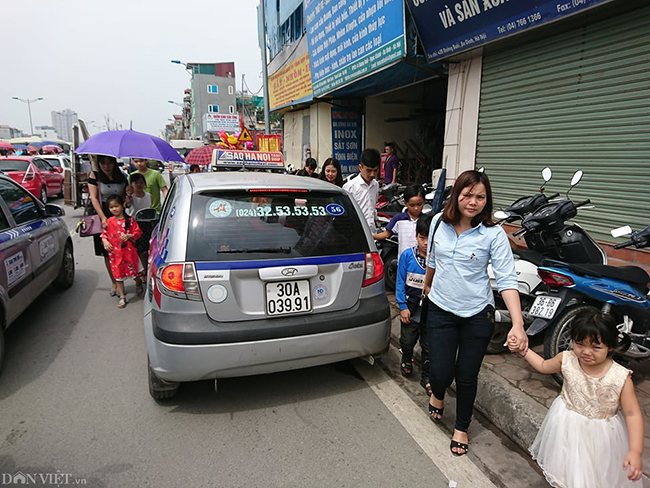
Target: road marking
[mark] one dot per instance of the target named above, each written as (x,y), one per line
(433,441)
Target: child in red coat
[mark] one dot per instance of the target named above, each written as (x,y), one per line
(119,238)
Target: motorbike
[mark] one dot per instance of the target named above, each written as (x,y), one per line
(622,291)
(547,236)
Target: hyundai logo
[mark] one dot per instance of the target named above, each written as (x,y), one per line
(289,272)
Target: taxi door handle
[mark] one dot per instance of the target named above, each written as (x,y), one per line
(30,237)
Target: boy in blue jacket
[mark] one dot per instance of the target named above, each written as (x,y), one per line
(408,295)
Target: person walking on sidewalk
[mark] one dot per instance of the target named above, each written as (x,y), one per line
(412,308)
(154,180)
(585,440)
(364,187)
(460,319)
(391,166)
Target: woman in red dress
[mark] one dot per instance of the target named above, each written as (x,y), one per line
(119,238)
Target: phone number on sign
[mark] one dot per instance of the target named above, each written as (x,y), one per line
(281,211)
(522,22)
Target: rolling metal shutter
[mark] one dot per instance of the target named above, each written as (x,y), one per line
(579,99)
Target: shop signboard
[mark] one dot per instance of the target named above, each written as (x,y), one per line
(350,39)
(447,28)
(268,142)
(346,139)
(291,84)
(219,122)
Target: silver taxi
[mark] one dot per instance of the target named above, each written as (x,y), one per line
(35,251)
(253,273)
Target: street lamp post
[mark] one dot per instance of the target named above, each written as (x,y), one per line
(29,108)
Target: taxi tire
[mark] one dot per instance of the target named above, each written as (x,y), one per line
(390,270)
(65,278)
(159,389)
(2,345)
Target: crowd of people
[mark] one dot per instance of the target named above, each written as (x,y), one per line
(446,303)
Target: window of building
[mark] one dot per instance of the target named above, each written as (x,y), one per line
(213,88)
(231,90)
(292,29)
(213,109)
(231,109)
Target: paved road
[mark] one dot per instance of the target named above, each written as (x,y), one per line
(75,406)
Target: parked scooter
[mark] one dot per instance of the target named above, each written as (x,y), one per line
(622,291)
(547,236)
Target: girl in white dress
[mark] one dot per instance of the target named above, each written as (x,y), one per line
(585,441)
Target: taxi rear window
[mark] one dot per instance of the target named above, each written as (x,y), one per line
(13,165)
(236,226)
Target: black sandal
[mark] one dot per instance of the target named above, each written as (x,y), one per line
(458,445)
(406,368)
(435,411)
(427,387)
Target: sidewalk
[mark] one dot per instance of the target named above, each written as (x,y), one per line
(515,398)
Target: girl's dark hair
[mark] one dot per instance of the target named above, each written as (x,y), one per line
(423,224)
(599,328)
(117,175)
(120,200)
(451,214)
(311,163)
(413,191)
(332,162)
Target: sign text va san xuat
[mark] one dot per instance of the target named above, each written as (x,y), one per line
(447,28)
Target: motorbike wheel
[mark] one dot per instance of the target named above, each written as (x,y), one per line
(498,339)
(390,270)
(558,339)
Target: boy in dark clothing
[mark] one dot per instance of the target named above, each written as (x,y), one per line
(408,295)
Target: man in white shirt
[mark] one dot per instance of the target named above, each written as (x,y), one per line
(364,188)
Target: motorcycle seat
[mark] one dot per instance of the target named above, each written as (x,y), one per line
(528,255)
(635,276)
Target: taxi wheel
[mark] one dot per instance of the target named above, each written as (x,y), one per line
(43,195)
(2,346)
(65,278)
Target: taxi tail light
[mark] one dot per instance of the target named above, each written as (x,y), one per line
(178,280)
(374,269)
(552,278)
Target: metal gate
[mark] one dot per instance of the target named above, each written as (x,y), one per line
(579,99)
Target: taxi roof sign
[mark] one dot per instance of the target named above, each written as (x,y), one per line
(235,158)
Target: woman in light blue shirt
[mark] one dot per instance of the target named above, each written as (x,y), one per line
(460,322)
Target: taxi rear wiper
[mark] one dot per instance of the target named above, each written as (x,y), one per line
(280,249)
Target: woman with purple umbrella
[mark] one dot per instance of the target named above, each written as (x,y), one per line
(106,182)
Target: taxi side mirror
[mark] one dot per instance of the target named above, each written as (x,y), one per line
(52,210)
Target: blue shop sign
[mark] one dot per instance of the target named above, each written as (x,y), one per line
(447,28)
(349,39)
(346,139)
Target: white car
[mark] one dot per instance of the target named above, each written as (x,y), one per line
(61,162)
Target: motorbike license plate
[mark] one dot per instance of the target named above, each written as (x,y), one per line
(288,297)
(545,306)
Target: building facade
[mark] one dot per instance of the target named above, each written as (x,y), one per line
(63,121)
(213,91)
(46,132)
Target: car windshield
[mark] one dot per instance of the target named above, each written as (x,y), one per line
(13,165)
(243,225)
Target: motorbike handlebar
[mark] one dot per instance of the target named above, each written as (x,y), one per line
(554,195)
(519,232)
(584,202)
(624,244)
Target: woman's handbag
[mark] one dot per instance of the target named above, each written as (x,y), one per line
(90,225)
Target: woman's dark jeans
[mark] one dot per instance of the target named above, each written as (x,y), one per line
(469,337)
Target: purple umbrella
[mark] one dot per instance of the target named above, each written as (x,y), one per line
(129,144)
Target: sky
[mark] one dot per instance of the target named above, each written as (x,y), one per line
(113,58)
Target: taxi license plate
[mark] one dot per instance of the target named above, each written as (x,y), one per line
(545,306)
(288,297)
